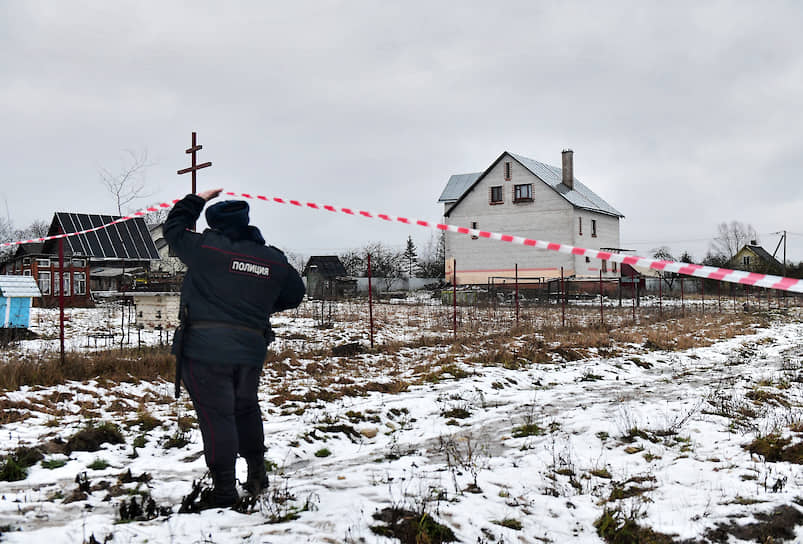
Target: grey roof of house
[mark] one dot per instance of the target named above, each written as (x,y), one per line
(129,240)
(580,196)
(764,254)
(30,248)
(329,266)
(457,185)
(19,286)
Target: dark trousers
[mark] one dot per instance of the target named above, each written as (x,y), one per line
(225,400)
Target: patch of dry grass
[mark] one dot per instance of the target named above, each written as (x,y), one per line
(114,365)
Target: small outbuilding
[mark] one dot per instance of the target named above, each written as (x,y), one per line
(16,298)
(327,278)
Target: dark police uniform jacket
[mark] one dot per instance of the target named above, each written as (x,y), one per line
(230,290)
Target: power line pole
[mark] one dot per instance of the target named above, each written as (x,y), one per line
(782,240)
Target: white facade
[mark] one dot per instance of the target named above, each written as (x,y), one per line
(548,216)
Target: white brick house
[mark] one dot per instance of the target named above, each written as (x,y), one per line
(520,196)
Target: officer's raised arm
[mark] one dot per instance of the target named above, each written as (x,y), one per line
(181,218)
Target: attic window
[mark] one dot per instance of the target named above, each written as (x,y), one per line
(593,228)
(746,260)
(523,192)
(580,225)
(507,171)
(496,195)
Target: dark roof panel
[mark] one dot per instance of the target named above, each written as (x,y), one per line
(126,240)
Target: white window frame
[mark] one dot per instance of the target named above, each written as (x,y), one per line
(78,263)
(529,191)
(44,282)
(79,283)
(43,262)
(57,284)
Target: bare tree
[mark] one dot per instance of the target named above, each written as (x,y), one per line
(354,262)
(127,183)
(296,260)
(158,217)
(37,229)
(433,258)
(731,237)
(6,235)
(386,263)
(663,253)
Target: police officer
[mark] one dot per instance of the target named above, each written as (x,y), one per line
(234,282)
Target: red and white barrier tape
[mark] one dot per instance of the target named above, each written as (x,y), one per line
(708,272)
(722,274)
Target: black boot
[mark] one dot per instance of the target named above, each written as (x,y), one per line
(224,493)
(257,480)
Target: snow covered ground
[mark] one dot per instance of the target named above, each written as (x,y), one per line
(499,437)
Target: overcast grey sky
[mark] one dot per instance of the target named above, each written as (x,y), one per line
(681,115)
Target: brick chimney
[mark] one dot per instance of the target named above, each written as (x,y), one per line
(568,168)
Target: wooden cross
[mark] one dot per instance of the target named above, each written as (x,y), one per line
(195,166)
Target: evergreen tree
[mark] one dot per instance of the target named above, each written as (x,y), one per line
(410,256)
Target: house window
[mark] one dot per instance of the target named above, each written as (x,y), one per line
(588,259)
(43,263)
(26,261)
(79,279)
(593,228)
(613,267)
(580,225)
(44,282)
(604,265)
(26,272)
(57,284)
(523,192)
(158,314)
(496,194)
(475,227)
(78,263)
(507,171)
(746,260)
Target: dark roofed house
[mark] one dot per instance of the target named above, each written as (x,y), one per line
(754,258)
(93,261)
(327,278)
